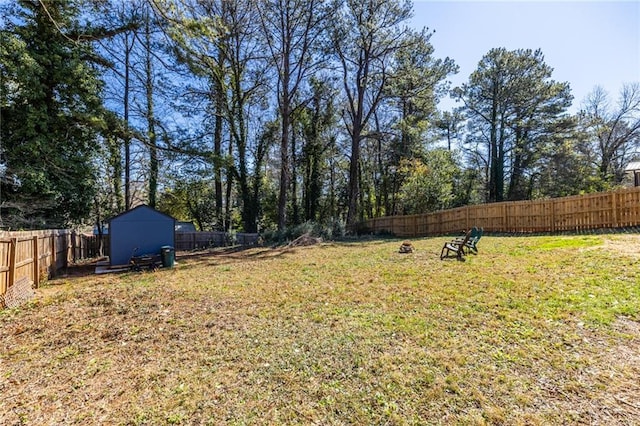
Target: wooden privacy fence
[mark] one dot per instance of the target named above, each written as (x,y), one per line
(196,240)
(614,209)
(35,255)
(88,246)
(31,256)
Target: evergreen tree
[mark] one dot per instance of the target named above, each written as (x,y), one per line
(514,109)
(51,110)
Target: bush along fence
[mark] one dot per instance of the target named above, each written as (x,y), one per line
(616,209)
(28,258)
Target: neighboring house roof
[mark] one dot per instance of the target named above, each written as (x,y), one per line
(185,227)
(105,230)
(633,166)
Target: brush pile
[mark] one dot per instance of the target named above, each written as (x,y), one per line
(305,240)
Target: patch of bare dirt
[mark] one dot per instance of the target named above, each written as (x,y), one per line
(611,372)
(625,357)
(627,245)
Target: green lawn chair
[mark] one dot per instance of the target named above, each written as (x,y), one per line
(460,239)
(456,247)
(472,244)
(473,231)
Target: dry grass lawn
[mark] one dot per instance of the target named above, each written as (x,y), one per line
(534,330)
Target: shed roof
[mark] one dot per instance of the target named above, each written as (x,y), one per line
(185,227)
(633,166)
(143,206)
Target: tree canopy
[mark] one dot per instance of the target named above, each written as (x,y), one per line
(256,115)
(51,115)
(514,108)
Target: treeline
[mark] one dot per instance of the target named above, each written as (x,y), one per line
(254,115)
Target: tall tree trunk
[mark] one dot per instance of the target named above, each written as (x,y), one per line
(295,210)
(217,145)
(284,147)
(127,136)
(98,223)
(354,183)
(378,182)
(314,184)
(356,139)
(501,159)
(151,132)
(493,147)
(332,190)
(228,193)
(247,212)
(115,160)
(306,182)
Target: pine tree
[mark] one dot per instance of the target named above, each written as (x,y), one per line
(51,110)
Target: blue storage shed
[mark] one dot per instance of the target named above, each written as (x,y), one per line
(141,230)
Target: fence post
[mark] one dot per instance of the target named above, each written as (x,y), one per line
(505,218)
(67,245)
(12,261)
(74,246)
(54,261)
(467,225)
(68,248)
(614,208)
(36,262)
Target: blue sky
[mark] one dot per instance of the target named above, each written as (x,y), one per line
(588,43)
